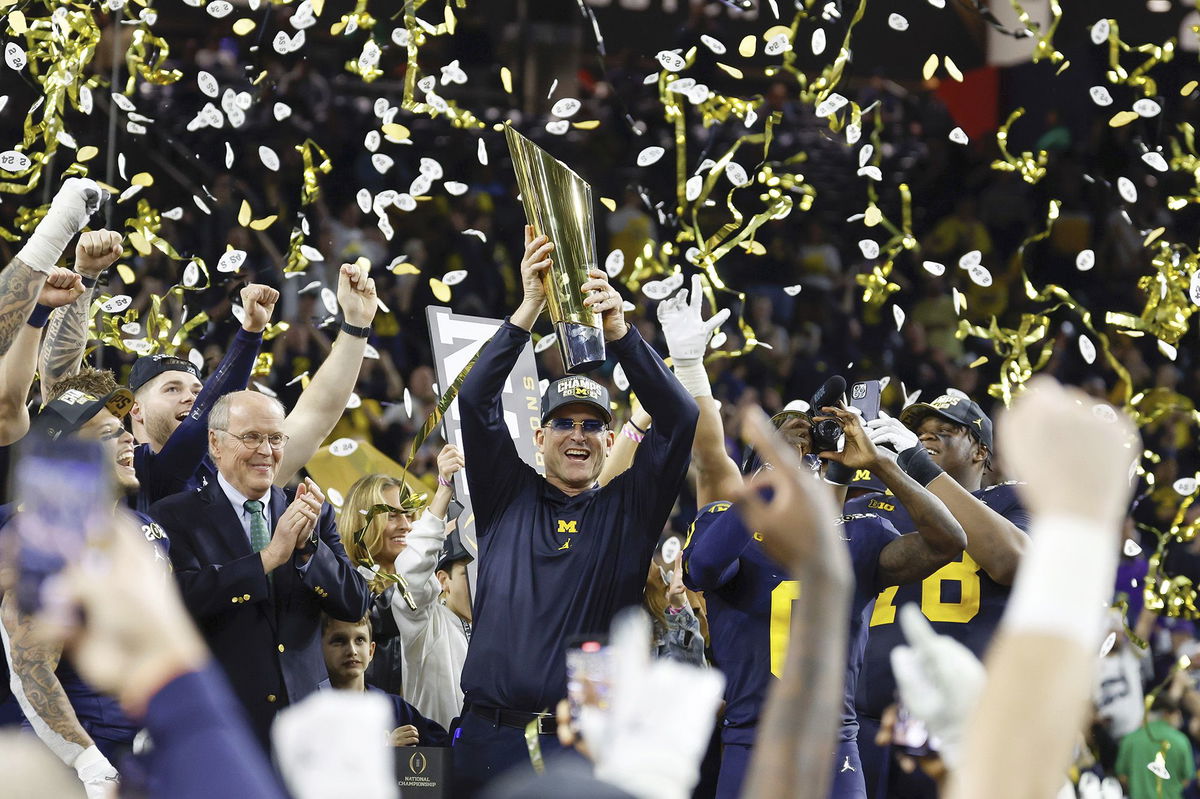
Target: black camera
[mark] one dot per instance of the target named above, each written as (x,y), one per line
(826,434)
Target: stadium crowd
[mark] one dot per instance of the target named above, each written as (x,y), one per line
(697,505)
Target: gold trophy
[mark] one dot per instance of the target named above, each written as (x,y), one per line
(558,203)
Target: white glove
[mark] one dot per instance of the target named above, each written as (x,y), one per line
(686,331)
(76,201)
(889,430)
(99,778)
(939,681)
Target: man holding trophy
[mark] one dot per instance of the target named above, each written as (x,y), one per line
(558,555)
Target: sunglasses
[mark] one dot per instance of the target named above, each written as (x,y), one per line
(591,427)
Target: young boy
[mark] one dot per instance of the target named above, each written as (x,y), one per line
(348,651)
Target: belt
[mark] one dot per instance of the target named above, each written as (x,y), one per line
(546,723)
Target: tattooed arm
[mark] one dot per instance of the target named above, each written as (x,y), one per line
(66,335)
(19,287)
(31,662)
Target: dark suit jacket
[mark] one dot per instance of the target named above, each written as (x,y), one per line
(267,636)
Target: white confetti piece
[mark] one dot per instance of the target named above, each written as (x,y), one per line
(831,105)
(871,172)
(614,263)
(1127,190)
(363,197)
(329,300)
(282,43)
(481,153)
(201,205)
(372,140)
(960,300)
(1167,349)
(14,161)
(671,61)
(736,174)
(1194,288)
(353,401)
(558,126)
(311,253)
(455,188)
(1158,767)
(713,44)
(938,3)
(207,83)
(117,304)
(343,447)
(196,358)
(1085,260)
(479,234)
(454,277)
(1146,107)
(219,8)
(898,315)
(231,260)
(1100,31)
(691,189)
(972,258)
(85,100)
(897,22)
(853,134)
(14,56)
(864,155)
(778,44)
(980,276)
(619,378)
(869,248)
(382,162)
(650,155)
(174,214)
(406,202)
(1155,161)
(1109,642)
(553,88)
(137,345)
(959,136)
(1087,349)
(934,268)
(431,169)
(452,74)
(401,37)
(369,56)
(567,107)
(1100,96)
(656,290)
(281,111)
(792,291)
(1132,549)
(545,343)
(818,41)
(1185,486)
(228,155)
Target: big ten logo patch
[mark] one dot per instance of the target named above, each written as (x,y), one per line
(881,505)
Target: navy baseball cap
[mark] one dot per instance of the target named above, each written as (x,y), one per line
(575,389)
(955,408)
(453,550)
(71,410)
(148,367)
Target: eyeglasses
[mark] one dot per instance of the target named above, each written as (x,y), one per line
(255,440)
(591,427)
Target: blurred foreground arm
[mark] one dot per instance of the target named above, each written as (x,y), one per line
(799,724)
(1042,663)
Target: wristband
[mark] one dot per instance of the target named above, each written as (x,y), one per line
(838,474)
(445,483)
(631,432)
(1067,603)
(690,372)
(917,464)
(635,427)
(40,316)
(89,282)
(357,332)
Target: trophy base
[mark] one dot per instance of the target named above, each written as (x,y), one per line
(581,346)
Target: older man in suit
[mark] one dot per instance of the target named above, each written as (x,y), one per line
(257,567)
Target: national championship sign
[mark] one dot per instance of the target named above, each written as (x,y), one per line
(455,339)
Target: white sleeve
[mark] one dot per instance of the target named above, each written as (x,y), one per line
(417,562)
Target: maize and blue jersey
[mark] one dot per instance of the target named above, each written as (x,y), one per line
(749,601)
(959,599)
(554,567)
(183,463)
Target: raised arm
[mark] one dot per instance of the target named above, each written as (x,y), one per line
(22,279)
(324,400)
(66,335)
(1042,663)
(625,447)
(796,739)
(687,335)
(416,564)
(938,538)
(18,365)
(994,542)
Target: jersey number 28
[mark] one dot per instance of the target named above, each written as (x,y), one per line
(965,572)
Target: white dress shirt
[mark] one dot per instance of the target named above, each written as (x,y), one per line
(238,500)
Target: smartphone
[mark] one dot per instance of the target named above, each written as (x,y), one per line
(589,676)
(64,494)
(911,735)
(865,395)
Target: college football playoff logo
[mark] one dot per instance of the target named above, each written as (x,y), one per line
(417,764)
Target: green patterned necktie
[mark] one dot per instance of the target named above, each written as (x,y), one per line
(259,536)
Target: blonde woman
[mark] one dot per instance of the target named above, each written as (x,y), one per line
(422,637)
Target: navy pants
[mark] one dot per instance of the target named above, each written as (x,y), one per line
(847,772)
(483,750)
(884,779)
